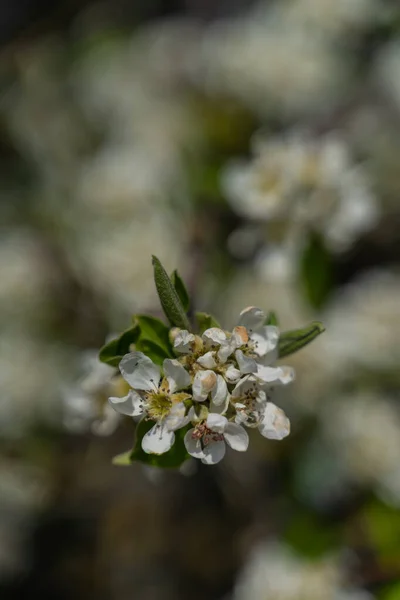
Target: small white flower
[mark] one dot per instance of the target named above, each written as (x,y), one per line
(274,424)
(214,338)
(253,410)
(184,341)
(154,398)
(85,405)
(206,440)
(263,339)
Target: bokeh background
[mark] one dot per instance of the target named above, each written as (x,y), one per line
(255,146)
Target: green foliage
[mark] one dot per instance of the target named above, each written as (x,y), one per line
(205,321)
(311,537)
(181,290)
(295,339)
(112,352)
(272,318)
(171,459)
(316,271)
(169,298)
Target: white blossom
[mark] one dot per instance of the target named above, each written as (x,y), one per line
(207,439)
(155,398)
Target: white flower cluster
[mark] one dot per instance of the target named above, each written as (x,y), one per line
(219,382)
(304,182)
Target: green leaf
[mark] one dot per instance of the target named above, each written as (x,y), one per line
(171,459)
(170,302)
(316,271)
(155,331)
(152,350)
(272,319)
(181,290)
(205,321)
(294,340)
(112,352)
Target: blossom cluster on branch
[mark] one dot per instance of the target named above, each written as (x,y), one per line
(199,388)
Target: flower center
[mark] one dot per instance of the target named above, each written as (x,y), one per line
(158,405)
(206,435)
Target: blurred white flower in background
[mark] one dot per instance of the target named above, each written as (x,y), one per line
(24,280)
(275,571)
(30,374)
(85,404)
(307,182)
(363,429)
(363,325)
(334,17)
(268,61)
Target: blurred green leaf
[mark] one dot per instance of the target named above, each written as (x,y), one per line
(181,290)
(391,593)
(383,527)
(112,352)
(172,459)
(272,319)
(170,301)
(316,271)
(295,339)
(205,321)
(311,538)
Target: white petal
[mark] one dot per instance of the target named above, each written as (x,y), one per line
(176,418)
(177,376)
(214,452)
(214,337)
(207,360)
(274,424)
(203,383)
(220,409)
(269,374)
(131,405)
(226,349)
(246,364)
(287,374)
(183,341)
(252,318)
(265,339)
(139,371)
(243,385)
(240,335)
(232,374)
(220,391)
(236,436)
(216,422)
(193,445)
(158,440)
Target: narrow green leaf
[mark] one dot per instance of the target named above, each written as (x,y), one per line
(272,319)
(205,321)
(112,352)
(181,290)
(170,302)
(172,459)
(294,340)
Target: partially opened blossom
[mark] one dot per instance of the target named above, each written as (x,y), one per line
(154,397)
(207,439)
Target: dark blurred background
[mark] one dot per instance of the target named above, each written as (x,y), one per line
(255,147)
